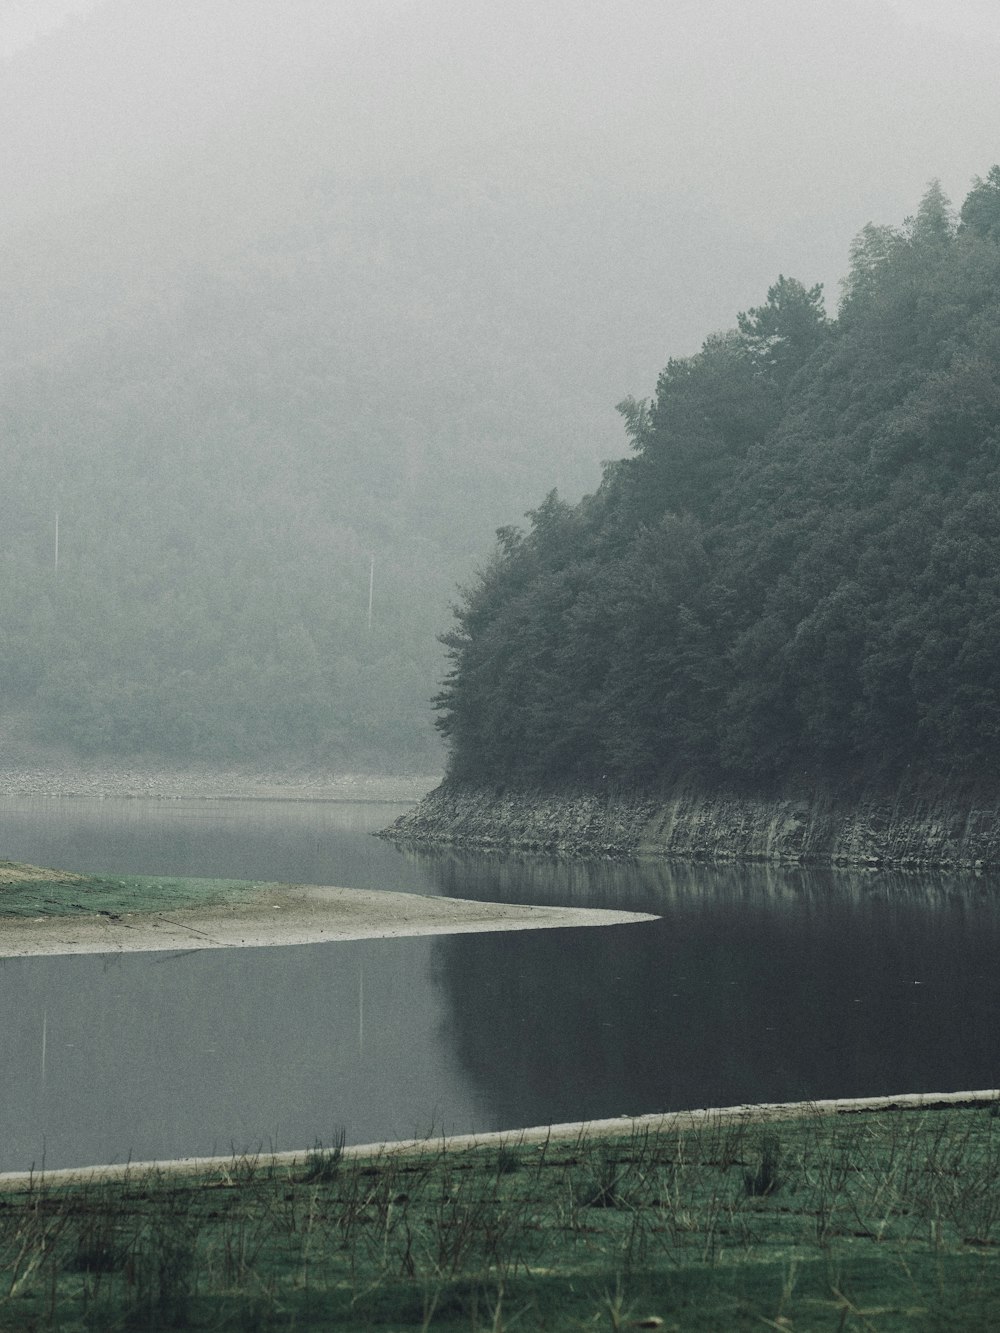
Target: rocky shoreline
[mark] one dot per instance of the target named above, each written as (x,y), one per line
(929,827)
(810,826)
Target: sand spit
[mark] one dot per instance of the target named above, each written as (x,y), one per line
(575,1132)
(291,914)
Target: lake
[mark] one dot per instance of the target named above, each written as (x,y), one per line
(758,984)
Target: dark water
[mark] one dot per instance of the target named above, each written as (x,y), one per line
(757,984)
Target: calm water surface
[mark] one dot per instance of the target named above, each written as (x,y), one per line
(757,984)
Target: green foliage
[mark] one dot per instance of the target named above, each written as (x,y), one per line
(876,1221)
(783,333)
(794,572)
(981,210)
(41,893)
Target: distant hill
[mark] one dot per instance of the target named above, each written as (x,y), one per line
(795,575)
(293,289)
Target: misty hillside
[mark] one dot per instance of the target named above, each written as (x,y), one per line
(294,288)
(794,576)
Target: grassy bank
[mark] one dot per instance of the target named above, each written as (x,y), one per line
(33,891)
(874,1221)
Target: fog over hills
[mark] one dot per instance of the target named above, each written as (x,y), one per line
(291,286)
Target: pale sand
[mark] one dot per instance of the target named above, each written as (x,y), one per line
(291,914)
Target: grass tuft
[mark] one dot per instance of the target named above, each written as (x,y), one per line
(765,1180)
(886,1221)
(323,1164)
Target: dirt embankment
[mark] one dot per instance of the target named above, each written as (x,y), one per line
(905,828)
(17,872)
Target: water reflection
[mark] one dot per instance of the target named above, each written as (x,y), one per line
(758,984)
(304,842)
(644,884)
(112,1057)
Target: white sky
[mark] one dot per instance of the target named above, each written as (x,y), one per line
(979,17)
(21,21)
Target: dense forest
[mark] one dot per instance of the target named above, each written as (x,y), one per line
(795,573)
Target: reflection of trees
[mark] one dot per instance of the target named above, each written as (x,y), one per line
(758,984)
(647,883)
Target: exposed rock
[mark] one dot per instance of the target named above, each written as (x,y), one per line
(908,828)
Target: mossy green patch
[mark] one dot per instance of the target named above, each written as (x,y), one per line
(115,895)
(879,1221)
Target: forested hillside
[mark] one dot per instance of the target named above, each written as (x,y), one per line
(796,573)
(287,288)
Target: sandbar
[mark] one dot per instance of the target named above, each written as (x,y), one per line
(285,915)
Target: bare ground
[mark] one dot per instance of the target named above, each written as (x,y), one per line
(296,914)
(18,872)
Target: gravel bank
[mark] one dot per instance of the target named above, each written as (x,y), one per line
(152,781)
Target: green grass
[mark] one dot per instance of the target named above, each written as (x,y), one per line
(886,1221)
(51,893)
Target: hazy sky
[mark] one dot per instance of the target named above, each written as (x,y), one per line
(23,20)
(975,16)
(762,133)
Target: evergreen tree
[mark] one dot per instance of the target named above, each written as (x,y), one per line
(793,575)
